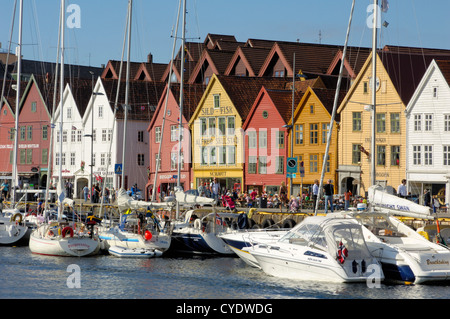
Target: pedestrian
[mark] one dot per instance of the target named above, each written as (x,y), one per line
(5,189)
(427,198)
(283,196)
(436,204)
(328,190)
(85,193)
(215,186)
(315,193)
(347,196)
(402,189)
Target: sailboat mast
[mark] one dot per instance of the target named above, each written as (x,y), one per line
(127,87)
(14,176)
(180,121)
(61,111)
(374,92)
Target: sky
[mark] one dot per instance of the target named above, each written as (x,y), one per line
(96,34)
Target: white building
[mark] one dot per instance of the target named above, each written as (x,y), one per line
(428,134)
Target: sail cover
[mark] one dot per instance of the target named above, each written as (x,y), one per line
(125,202)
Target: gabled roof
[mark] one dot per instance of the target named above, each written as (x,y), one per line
(193,51)
(253,59)
(216,59)
(444,66)
(354,60)
(112,70)
(211,39)
(150,71)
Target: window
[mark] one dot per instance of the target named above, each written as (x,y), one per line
(365,87)
(33,107)
(279,162)
(381,155)
(44,159)
(251,139)
(29,156)
(417,122)
(251,165)
(157,162)
(328,163)
(29,133)
(216,100)
(428,154)
(158,134)
(395,122)
(231,155)
(94,135)
(231,125)
(356,153)
(57,137)
(78,135)
(211,126)
(72,159)
(446,153)
(447,123)
(262,167)
(222,155)
(173,133)
(222,124)
(63,159)
(212,156)
(109,134)
(140,136)
(69,112)
(311,109)
(263,139)
(428,122)
(325,129)
(381,123)
(435,92)
(417,154)
(73,136)
(313,133)
(203,126)
(280,139)
(102,159)
(395,155)
(204,156)
(57,159)
(299,134)
(94,156)
(100,111)
(140,159)
(64,136)
(11,134)
(356,120)
(313,163)
(103,135)
(23,133)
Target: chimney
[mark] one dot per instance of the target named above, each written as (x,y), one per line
(149,58)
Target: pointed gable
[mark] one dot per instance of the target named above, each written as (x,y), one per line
(247,61)
(211,62)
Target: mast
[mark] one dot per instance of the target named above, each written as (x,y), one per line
(333,114)
(127,88)
(180,123)
(61,113)
(374,92)
(14,179)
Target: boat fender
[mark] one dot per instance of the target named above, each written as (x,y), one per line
(268,222)
(256,226)
(50,233)
(148,235)
(289,223)
(14,217)
(66,230)
(424,234)
(197,223)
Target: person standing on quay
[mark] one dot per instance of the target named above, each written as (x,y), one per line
(328,190)
(402,189)
(315,193)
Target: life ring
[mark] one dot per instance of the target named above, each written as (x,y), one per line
(13,218)
(65,230)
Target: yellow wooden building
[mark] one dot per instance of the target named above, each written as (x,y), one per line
(311,126)
(355,135)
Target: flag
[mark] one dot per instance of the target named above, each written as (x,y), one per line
(73,127)
(384,5)
(342,252)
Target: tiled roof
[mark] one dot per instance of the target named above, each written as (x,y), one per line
(192,94)
(327,96)
(211,39)
(243,90)
(255,58)
(282,100)
(444,66)
(112,69)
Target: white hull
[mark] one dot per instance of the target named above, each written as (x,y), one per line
(134,252)
(11,232)
(42,244)
(116,237)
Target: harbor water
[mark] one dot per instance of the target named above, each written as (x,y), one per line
(28,276)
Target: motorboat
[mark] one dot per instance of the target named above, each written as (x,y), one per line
(13,231)
(321,248)
(64,238)
(125,252)
(198,233)
(405,255)
(237,240)
(138,227)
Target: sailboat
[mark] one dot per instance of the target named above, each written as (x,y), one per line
(61,238)
(12,229)
(139,232)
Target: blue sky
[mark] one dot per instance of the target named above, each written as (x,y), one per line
(411,23)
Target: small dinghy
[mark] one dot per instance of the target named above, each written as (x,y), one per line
(134,252)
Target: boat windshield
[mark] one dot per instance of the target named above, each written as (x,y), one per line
(306,234)
(380,226)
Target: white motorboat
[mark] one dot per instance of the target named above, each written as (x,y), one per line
(406,256)
(12,230)
(125,252)
(323,248)
(237,240)
(199,235)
